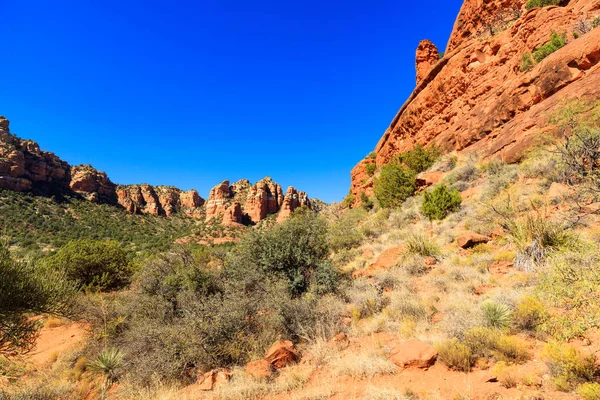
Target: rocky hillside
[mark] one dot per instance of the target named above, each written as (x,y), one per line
(482,96)
(24,167)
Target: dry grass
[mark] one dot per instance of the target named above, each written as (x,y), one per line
(363,365)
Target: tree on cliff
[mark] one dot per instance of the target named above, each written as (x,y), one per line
(26,289)
(395,184)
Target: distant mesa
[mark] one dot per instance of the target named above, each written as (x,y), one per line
(26,168)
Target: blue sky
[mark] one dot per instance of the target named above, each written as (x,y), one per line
(190,93)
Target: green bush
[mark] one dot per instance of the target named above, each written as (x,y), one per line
(419,158)
(568,366)
(438,203)
(456,355)
(529,313)
(371,168)
(394,185)
(371,156)
(541,3)
(97,265)
(419,244)
(26,288)
(556,42)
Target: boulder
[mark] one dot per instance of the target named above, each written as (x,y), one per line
(470,240)
(259,369)
(413,354)
(281,354)
(214,379)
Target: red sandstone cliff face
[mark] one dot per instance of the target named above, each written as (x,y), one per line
(477,99)
(159,200)
(24,167)
(427,56)
(92,184)
(259,201)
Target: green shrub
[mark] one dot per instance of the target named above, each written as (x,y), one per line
(481,340)
(568,366)
(419,158)
(541,3)
(438,203)
(97,265)
(394,185)
(556,42)
(365,201)
(344,233)
(527,62)
(371,156)
(371,168)
(589,391)
(529,313)
(510,349)
(456,355)
(485,342)
(26,289)
(496,315)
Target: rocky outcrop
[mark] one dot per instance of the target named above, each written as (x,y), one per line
(159,200)
(477,99)
(246,203)
(24,167)
(427,56)
(281,354)
(413,354)
(361,182)
(92,184)
(264,198)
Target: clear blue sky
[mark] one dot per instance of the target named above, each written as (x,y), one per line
(189,93)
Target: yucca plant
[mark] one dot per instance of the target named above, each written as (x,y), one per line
(107,363)
(496,315)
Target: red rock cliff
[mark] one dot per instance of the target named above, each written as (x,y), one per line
(477,99)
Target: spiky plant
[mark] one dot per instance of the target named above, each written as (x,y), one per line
(496,315)
(107,363)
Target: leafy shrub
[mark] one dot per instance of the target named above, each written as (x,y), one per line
(344,233)
(394,185)
(440,202)
(371,155)
(481,340)
(589,391)
(529,313)
(496,315)
(292,250)
(419,158)
(371,168)
(485,342)
(541,3)
(527,62)
(568,366)
(100,265)
(417,243)
(510,349)
(556,42)
(25,288)
(456,355)
(348,200)
(365,201)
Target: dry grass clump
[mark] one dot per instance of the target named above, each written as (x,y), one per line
(456,355)
(461,316)
(569,366)
(366,298)
(381,393)
(404,304)
(363,365)
(419,244)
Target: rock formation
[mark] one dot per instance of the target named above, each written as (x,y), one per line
(427,57)
(477,99)
(24,167)
(259,201)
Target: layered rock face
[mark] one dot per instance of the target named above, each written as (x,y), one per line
(24,167)
(243,202)
(92,184)
(159,200)
(427,56)
(476,99)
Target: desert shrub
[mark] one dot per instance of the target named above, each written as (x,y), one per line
(419,158)
(527,62)
(38,390)
(413,264)
(348,200)
(404,304)
(294,250)
(486,342)
(589,391)
(97,265)
(481,340)
(344,232)
(456,355)
(371,155)
(394,185)
(366,298)
(568,366)
(460,317)
(510,349)
(496,315)
(363,365)
(556,42)
(567,283)
(446,163)
(26,288)
(541,3)
(365,202)
(438,203)
(371,168)
(417,243)
(465,173)
(529,313)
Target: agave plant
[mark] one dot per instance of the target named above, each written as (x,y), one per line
(496,315)
(107,363)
